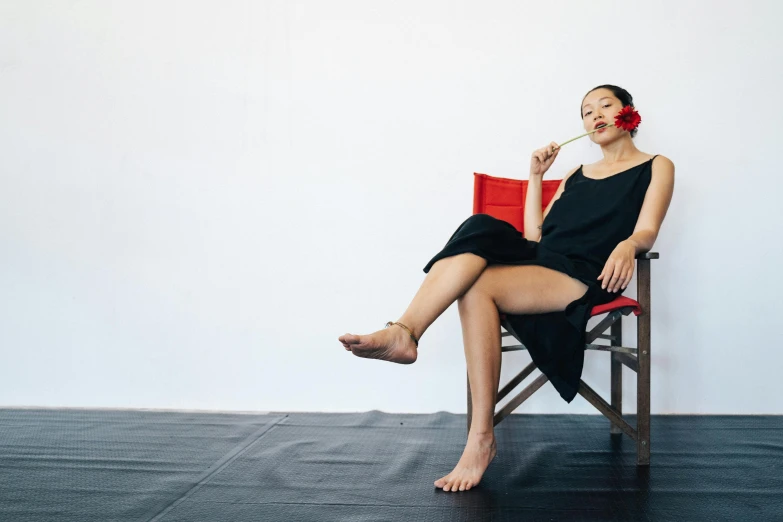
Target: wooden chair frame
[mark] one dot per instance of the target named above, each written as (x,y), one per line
(637,359)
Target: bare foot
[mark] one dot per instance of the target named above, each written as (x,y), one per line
(479,452)
(390,344)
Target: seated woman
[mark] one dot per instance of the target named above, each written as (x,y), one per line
(579,252)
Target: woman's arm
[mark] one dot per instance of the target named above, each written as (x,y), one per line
(534,216)
(619,267)
(533,213)
(655,206)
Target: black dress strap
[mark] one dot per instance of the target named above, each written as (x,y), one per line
(570,178)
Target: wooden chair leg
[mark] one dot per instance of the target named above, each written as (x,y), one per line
(617,375)
(470,405)
(643,376)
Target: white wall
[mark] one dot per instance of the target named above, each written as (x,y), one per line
(198,197)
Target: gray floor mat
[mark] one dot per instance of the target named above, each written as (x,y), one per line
(172,467)
(86,465)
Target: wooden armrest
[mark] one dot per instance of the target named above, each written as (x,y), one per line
(648,255)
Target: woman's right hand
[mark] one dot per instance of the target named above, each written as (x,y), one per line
(543,158)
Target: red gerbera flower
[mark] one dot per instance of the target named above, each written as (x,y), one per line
(627,119)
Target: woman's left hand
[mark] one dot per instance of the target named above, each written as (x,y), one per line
(619,267)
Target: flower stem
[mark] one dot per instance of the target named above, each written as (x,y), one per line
(586,133)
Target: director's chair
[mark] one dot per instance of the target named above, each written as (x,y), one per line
(505,199)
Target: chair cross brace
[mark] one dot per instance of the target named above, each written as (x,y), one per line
(623,354)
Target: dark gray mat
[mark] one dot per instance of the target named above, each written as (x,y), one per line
(111,465)
(377,466)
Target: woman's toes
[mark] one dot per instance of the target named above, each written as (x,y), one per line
(347,341)
(351,339)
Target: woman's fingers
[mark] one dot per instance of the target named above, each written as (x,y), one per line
(612,274)
(628,276)
(617,276)
(613,278)
(613,281)
(606,274)
(542,158)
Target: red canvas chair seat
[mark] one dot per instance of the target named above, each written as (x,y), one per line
(617,304)
(504,199)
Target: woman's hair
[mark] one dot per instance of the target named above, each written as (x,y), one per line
(621,94)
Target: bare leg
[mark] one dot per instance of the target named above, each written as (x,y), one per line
(481,337)
(508,289)
(447,280)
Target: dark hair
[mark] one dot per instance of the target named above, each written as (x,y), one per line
(621,94)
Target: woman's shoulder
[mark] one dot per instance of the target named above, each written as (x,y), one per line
(657,159)
(662,166)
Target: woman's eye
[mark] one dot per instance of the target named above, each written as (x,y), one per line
(607,105)
(588,113)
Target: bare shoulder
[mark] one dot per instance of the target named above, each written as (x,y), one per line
(662,167)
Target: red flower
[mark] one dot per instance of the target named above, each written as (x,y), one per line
(627,119)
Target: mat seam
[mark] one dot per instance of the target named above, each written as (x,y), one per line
(219,466)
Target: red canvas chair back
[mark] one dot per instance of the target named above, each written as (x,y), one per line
(505,198)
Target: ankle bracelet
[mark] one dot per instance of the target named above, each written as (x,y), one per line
(416,341)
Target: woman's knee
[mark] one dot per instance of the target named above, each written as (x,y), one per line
(482,287)
(473,299)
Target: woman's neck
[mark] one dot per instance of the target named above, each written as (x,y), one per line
(619,151)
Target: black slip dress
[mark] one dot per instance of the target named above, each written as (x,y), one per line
(578,235)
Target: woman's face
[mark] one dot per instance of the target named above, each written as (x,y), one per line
(601,106)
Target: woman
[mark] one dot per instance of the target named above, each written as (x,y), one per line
(577,253)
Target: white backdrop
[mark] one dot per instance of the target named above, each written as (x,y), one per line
(198,197)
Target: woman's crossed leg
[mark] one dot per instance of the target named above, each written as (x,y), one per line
(482,293)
